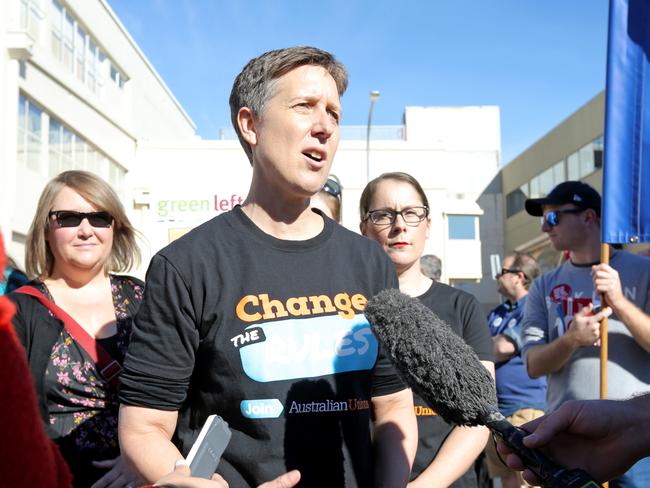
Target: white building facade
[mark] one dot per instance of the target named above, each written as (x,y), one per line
(76,92)
(453,152)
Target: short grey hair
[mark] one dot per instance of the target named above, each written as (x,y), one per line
(255,85)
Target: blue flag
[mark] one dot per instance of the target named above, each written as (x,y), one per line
(626,172)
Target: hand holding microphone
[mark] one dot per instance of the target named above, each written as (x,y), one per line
(603,437)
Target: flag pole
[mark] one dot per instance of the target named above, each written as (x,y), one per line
(604,258)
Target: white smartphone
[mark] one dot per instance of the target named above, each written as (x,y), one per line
(205,454)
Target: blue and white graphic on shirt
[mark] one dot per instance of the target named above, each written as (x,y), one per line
(268,408)
(309,347)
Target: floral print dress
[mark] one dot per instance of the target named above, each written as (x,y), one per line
(82,405)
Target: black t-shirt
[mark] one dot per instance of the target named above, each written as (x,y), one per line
(463,313)
(269,334)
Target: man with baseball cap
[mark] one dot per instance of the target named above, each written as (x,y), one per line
(561,329)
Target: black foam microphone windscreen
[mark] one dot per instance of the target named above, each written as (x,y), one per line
(440,367)
(437,364)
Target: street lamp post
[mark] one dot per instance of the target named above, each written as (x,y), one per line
(374,96)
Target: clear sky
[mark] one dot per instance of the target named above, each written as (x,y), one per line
(538,60)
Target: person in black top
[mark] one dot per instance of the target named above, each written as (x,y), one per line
(257,315)
(394,211)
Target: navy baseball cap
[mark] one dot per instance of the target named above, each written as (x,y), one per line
(576,192)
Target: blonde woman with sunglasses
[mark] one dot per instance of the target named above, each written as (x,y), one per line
(74,320)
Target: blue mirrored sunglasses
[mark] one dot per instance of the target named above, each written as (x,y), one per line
(552,217)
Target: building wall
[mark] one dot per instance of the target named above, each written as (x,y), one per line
(219,169)
(571,150)
(86,96)
(521,231)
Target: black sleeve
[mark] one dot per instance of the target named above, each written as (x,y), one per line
(385,379)
(20,319)
(476,332)
(161,354)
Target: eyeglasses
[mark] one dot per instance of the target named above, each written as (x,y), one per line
(69,218)
(506,270)
(333,188)
(552,217)
(412,216)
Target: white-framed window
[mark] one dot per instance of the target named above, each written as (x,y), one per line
(30,134)
(117,77)
(116,175)
(585,160)
(32,17)
(79,51)
(573,166)
(56,22)
(45,144)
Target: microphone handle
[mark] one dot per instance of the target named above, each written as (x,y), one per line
(553,476)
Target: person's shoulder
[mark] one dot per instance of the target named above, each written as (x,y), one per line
(451,293)
(26,303)
(127,280)
(500,309)
(552,275)
(200,236)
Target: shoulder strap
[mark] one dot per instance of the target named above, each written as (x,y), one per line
(108,367)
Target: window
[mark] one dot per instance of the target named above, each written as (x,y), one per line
(462,226)
(56,16)
(66,149)
(46,142)
(586,160)
(68,42)
(29,134)
(586,156)
(546,182)
(535,188)
(116,174)
(79,52)
(598,152)
(117,76)
(558,173)
(55,135)
(31,17)
(573,167)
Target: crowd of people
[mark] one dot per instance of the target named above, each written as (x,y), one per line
(257,315)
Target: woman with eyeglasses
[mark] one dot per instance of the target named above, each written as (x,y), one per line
(329,199)
(394,212)
(74,320)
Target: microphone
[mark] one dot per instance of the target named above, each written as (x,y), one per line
(440,367)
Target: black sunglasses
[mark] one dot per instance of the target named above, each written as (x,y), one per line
(333,188)
(552,217)
(70,218)
(506,270)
